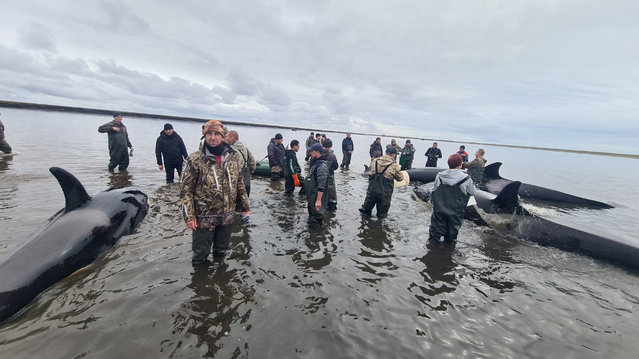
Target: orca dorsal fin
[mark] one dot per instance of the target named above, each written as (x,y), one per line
(74,193)
(508,200)
(492,171)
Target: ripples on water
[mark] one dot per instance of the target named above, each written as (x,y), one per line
(359,288)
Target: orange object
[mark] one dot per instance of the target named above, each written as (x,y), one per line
(296,180)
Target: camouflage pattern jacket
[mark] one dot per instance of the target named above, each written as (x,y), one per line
(209,188)
(393,172)
(244,156)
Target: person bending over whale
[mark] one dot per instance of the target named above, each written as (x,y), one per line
(451,192)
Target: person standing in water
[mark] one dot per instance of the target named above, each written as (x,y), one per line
(212,185)
(451,192)
(170,146)
(384,171)
(4,146)
(118,143)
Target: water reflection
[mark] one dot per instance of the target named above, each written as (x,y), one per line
(5,161)
(375,259)
(120,179)
(217,308)
(439,276)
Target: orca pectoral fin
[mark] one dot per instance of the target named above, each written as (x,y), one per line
(74,193)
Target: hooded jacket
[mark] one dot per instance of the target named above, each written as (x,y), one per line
(275,154)
(171,147)
(393,172)
(245,156)
(451,177)
(211,188)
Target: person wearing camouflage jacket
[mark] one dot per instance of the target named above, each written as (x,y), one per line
(212,184)
(383,172)
(247,161)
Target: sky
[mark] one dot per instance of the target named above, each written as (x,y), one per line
(547,73)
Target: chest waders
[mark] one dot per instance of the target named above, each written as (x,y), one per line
(315,217)
(379,193)
(449,205)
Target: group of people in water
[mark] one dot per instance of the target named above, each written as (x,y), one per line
(215,179)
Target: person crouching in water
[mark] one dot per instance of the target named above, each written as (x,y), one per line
(315,185)
(292,167)
(380,183)
(450,196)
(211,185)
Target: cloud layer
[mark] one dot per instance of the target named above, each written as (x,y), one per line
(542,73)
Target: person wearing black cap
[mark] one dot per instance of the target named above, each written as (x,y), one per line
(315,185)
(275,152)
(383,172)
(462,153)
(408,153)
(170,146)
(118,143)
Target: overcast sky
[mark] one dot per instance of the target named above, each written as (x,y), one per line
(543,73)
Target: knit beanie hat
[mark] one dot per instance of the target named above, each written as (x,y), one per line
(215,126)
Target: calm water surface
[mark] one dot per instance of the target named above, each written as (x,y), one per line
(359,288)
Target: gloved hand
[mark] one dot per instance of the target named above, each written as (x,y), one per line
(246,218)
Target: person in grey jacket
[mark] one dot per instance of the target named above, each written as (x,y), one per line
(118,143)
(451,192)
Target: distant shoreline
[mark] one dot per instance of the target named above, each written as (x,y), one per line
(44,107)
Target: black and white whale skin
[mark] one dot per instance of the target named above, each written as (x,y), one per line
(70,240)
(494,183)
(546,232)
(424,175)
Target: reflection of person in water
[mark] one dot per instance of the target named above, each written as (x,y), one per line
(216,306)
(120,179)
(439,272)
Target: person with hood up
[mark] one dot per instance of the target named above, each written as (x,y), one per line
(292,167)
(384,171)
(450,195)
(170,146)
(275,152)
(315,185)
(212,184)
(118,143)
(247,161)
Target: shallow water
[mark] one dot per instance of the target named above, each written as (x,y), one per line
(360,287)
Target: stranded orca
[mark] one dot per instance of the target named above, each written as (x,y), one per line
(547,232)
(494,183)
(73,238)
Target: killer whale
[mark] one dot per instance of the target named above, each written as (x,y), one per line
(71,239)
(546,232)
(494,183)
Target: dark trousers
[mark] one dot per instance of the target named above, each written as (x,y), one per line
(119,159)
(289,185)
(170,168)
(346,160)
(204,239)
(383,203)
(446,226)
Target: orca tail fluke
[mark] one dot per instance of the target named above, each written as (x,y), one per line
(74,193)
(508,199)
(492,171)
